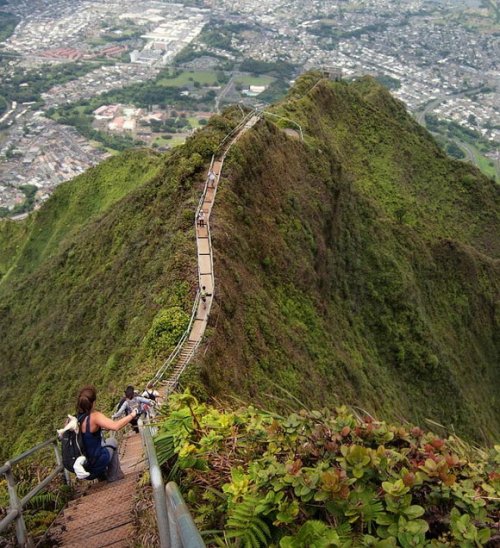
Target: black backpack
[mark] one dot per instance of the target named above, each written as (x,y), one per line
(72,447)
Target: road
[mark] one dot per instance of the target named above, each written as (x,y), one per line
(223,93)
(431,105)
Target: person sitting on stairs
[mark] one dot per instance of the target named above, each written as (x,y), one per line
(102,455)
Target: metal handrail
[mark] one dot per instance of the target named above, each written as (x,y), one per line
(170,360)
(236,129)
(161,371)
(16,504)
(175,352)
(188,535)
(157,485)
(174,378)
(11,462)
(176,528)
(286,119)
(204,193)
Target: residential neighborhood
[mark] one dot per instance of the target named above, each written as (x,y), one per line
(440,58)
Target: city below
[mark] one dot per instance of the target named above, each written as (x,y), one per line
(83,79)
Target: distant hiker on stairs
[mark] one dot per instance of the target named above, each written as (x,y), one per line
(102,455)
(203,296)
(151,394)
(211,179)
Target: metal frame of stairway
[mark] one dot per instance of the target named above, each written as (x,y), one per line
(169,373)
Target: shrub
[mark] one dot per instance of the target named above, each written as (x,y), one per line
(322,478)
(166,329)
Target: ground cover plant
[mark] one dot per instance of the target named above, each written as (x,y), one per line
(327,478)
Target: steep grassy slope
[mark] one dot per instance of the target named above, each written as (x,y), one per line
(360,266)
(27,243)
(89,282)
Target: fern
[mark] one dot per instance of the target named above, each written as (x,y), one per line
(364,507)
(246,526)
(316,534)
(165,449)
(43,501)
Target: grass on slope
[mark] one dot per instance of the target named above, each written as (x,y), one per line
(394,160)
(325,289)
(72,206)
(103,300)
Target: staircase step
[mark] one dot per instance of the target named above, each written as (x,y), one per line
(118,537)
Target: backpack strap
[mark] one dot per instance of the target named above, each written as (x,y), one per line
(81,419)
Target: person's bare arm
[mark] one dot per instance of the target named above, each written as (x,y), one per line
(109,424)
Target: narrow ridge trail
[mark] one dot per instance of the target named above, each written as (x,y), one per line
(102,514)
(169,374)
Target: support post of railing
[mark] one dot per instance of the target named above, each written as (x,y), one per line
(67,479)
(159,496)
(15,506)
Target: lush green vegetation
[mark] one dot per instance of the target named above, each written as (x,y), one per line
(279,69)
(451,133)
(8,22)
(360,265)
(388,81)
(320,478)
(72,206)
(275,92)
(455,151)
(96,284)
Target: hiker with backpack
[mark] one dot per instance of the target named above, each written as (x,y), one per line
(203,296)
(133,403)
(102,455)
(151,394)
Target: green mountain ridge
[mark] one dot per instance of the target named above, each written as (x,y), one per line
(359,266)
(349,300)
